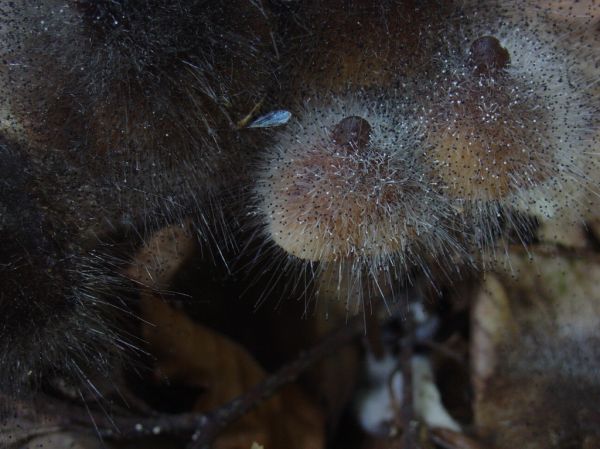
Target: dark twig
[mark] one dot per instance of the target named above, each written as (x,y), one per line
(408,437)
(72,417)
(449,439)
(204,428)
(230,412)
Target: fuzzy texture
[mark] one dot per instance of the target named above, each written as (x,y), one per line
(355,208)
(121,116)
(521,138)
(331,201)
(482,121)
(118,117)
(359,216)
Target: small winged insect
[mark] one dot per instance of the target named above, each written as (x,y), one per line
(272,119)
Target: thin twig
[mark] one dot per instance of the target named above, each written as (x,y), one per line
(448,439)
(204,428)
(408,440)
(230,412)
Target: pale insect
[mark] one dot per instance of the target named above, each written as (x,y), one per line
(271,119)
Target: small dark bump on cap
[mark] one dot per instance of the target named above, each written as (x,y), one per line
(486,55)
(353,131)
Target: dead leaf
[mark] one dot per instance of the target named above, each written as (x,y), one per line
(158,260)
(536,354)
(197,356)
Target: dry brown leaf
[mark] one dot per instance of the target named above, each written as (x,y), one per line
(536,354)
(158,260)
(197,356)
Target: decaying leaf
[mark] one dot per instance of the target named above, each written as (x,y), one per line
(196,356)
(536,354)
